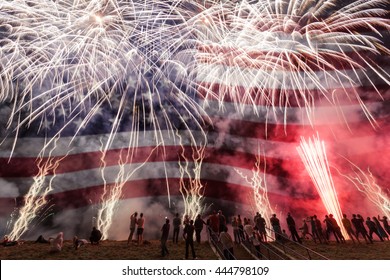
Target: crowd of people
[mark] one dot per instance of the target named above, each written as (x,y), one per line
(255,231)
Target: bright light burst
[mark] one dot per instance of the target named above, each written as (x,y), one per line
(191,186)
(278,52)
(313,155)
(259,186)
(68,59)
(112,192)
(36,197)
(366,183)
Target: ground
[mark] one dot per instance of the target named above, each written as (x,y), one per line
(119,250)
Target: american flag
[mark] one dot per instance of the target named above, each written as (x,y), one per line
(236,132)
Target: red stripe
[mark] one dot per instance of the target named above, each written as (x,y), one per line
(292,98)
(157,187)
(270,60)
(26,167)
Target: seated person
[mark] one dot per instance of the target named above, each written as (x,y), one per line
(77,243)
(7,242)
(96,235)
(57,243)
(41,239)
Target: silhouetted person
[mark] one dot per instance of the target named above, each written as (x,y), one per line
(176,223)
(133,223)
(261,224)
(385,223)
(336,229)
(380,229)
(95,236)
(372,229)
(188,235)
(275,223)
(198,224)
(164,237)
(292,228)
(240,227)
(222,221)
(319,229)
(330,229)
(140,229)
(214,225)
(358,223)
(305,230)
(236,230)
(314,231)
(41,239)
(348,228)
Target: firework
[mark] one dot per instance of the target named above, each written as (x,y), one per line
(36,198)
(259,186)
(313,155)
(282,53)
(113,192)
(190,185)
(71,59)
(366,183)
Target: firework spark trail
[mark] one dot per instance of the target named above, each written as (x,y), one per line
(70,58)
(191,186)
(36,197)
(313,155)
(279,52)
(113,192)
(259,186)
(365,182)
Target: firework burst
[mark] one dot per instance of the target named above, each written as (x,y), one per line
(69,59)
(282,53)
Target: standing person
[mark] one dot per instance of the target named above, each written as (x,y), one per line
(381,231)
(358,223)
(236,231)
(336,228)
(275,223)
(319,229)
(214,225)
(256,243)
(372,229)
(95,236)
(248,229)
(348,227)
(305,230)
(240,227)
(198,227)
(330,229)
(188,235)
(222,221)
(133,223)
(140,229)
(186,220)
(385,223)
(292,228)
(164,238)
(314,230)
(57,243)
(261,224)
(176,228)
(227,244)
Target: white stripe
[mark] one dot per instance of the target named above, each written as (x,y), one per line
(234,76)
(321,115)
(151,170)
(30,147)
